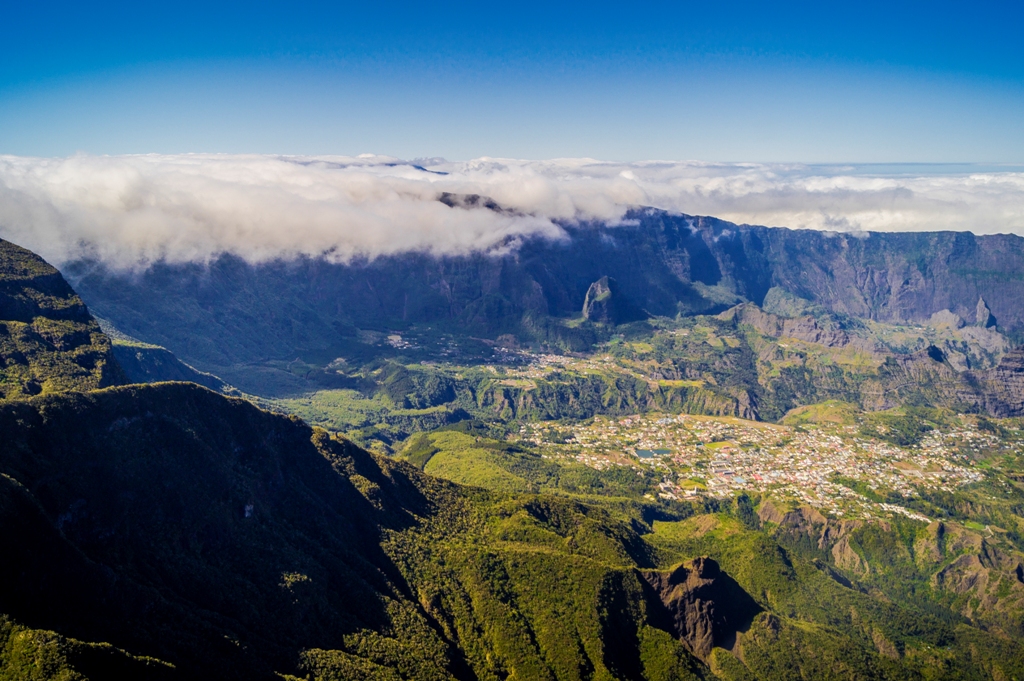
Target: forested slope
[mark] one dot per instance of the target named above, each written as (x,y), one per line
(166,531)
(233,543)
(48,340)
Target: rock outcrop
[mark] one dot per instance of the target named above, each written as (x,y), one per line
(826,534)
(983,315)
(700,605)
(946,318)
(606,304)
(770,513)
(805,328)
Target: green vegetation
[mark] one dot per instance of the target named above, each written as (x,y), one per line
(311,554)
(144,363)
(902,429)
(33,655)
(354,564)
(811,606)
(484,462)
(48,341)
(740,363)
(832,411)
(506,527)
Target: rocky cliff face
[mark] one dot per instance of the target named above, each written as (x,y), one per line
(930,377)
(1004,386)
(701,605)
(665,264)
(806,328)
(939,374)
(900,276)
(606,304)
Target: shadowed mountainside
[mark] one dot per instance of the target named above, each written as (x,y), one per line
(663,264)
(145,363)
(233,543)
(207,539)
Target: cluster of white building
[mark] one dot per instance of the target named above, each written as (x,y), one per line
(821,466)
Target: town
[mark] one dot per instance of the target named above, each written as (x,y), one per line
(700,456)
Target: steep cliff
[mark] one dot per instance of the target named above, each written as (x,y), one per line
(701,605)
(665,264)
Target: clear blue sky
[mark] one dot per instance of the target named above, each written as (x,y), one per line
(729,81)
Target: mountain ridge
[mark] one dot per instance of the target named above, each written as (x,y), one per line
(665,264)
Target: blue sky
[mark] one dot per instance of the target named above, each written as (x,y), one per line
(811,82)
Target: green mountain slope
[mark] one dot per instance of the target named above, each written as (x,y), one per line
(744,362)
(177,524)
(165,531)
(48,340)
(818,623)
(233,543)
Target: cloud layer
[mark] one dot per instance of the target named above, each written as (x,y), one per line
(129,211)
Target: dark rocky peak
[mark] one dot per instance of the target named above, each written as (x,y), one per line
(983,315)
(700,605)
(606,304)
(470,201)
(598,297)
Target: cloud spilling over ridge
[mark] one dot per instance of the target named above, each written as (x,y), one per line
(129,211)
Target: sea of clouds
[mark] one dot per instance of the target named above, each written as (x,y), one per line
(130,211)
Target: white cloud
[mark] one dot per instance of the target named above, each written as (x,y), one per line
(133,210)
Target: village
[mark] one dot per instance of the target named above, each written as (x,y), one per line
(822,466)
(540,366)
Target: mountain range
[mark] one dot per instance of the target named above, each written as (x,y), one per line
(241,321)
(228,311)
(158,522)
